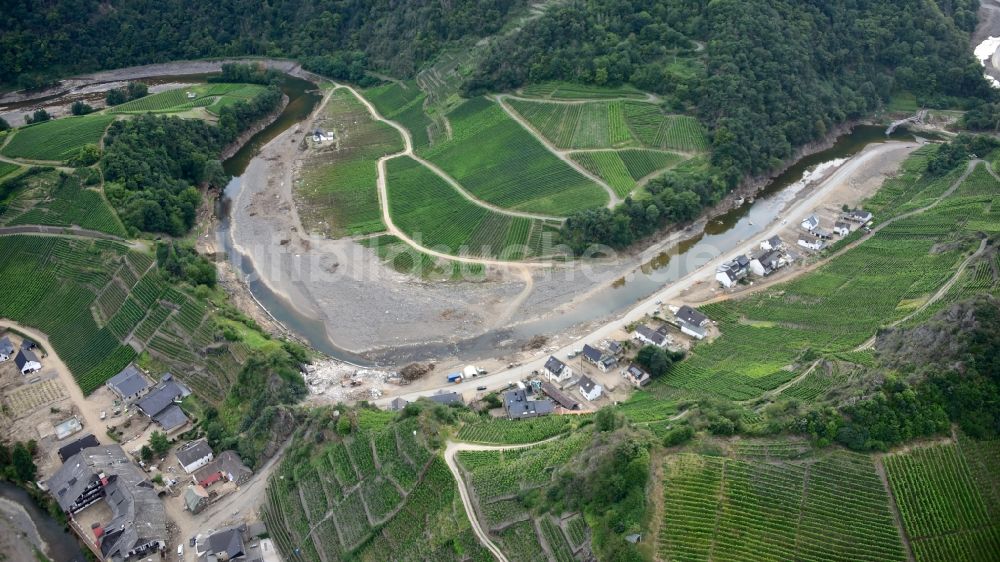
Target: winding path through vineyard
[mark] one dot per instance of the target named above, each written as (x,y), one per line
(452,448)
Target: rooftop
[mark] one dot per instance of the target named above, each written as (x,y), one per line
(554,365)
(129,381)
(691,316)
(193,451)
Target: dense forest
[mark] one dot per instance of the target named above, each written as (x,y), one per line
(41,39)
(153,163)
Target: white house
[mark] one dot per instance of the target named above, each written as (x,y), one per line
(858,215)
(772,243)
(556,369)
(6,349)
(692,322)
(810,243)
(590,389)
(726,277)
(766,263)
(810,223)
(194,455)
(603,362)
(729,273)
(842,228)
(27,362)
(649,336)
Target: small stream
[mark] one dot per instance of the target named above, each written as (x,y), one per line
(62,545)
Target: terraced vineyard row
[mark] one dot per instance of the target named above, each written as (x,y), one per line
(403,103)
(498,161)
(436,216)
(58,139)
(507,432)
(943,500)
(834,308)
(723,509)
(655,129)
(565,90)
(623,168)
(336,191)
(63,201)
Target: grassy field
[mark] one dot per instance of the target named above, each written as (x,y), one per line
(623,168)
(57,139)
(493,157)
(56,199)
(336,190)
(831,508)
(361,498)
(948,508)
(212,97)
(6,169)
(501,479)
(766,336)
(431,212)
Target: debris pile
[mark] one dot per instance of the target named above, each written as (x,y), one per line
(339,381)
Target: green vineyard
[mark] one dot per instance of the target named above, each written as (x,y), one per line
(403,103)
(61,200)
(722,509)
(435,215)
(58,139)
(565,90)
(848,298)
(498,161)
(336,190)
(360,498)
(622,169)
(507,432)
(943,498)
(213,97)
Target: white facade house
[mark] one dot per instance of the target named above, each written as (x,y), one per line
(772,243)
(726,278)
(27,362)
(649,336)
(194,455)
(858,215)
(766,263)
(842,228)
(6,349)
(556,370)
(810,243)
(590,389)
(810,223)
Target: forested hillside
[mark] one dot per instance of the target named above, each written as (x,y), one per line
(41,38)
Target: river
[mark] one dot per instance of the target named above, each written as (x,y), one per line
(720,235)
(62,545)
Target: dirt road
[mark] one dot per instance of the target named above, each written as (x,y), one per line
(88,411)
(452,448)
(561,154)
(383,195)
(673,292)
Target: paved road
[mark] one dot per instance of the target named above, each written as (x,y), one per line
(672,292)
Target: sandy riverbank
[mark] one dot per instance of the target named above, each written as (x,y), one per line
(19,539)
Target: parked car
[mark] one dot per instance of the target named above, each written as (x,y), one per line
(480,388)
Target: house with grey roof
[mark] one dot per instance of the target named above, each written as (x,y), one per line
(590,389)
(447,398)
(70,449)
(773,243)
(767,263)
(842,228)
(129,385)
(27,362)
(556,369)
(649,336)
(561,398)
(232,543)
(519,405)
(859,216)
(227,466)
(6,349)
(810,223)
(398,404)
(137,525)
(636,375)
(194,455)
(602,361)
(195,499)
(158,405)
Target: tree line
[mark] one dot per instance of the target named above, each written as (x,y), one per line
(153,164)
